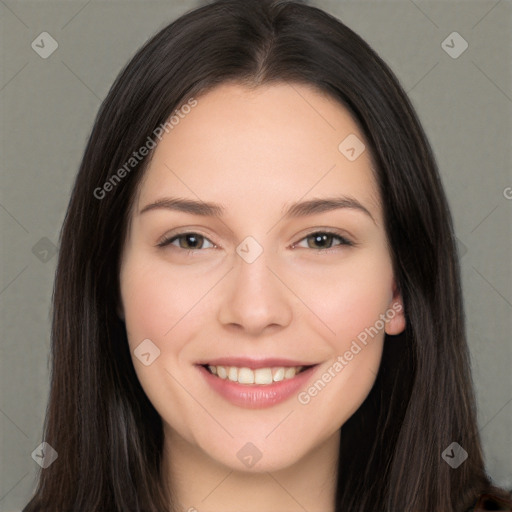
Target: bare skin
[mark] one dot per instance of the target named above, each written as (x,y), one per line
(255,152)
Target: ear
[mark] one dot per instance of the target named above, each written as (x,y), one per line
(395,323)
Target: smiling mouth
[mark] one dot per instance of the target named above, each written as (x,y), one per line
(259,376)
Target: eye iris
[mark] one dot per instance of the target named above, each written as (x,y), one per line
(194,238)
(320,237)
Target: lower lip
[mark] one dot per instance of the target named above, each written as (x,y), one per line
(254,396)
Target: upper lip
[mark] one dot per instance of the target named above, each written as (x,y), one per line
(253,364)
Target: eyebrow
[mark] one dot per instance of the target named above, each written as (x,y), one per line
(297,209)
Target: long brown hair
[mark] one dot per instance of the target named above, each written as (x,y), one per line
(107,433)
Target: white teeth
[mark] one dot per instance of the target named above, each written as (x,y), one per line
(289,373)
(264,376)
(245,376)
(259,376)
(278,374)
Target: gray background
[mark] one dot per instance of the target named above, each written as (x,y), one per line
(47,111)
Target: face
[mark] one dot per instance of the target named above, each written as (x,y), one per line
(296,299)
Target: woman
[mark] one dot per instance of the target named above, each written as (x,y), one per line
(259,369)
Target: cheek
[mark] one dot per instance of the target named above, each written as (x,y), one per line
(166,307)
(159,307)
(146,306)
(156,299)
(354,300)
(348,299)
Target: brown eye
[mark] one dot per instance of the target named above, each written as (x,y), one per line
(187,241)
(322,240)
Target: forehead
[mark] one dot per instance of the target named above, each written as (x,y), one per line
(270,145)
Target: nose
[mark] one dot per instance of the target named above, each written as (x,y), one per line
(255,299)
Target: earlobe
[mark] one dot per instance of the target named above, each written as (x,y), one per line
(395,314)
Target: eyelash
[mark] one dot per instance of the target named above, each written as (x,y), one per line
(169,240)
